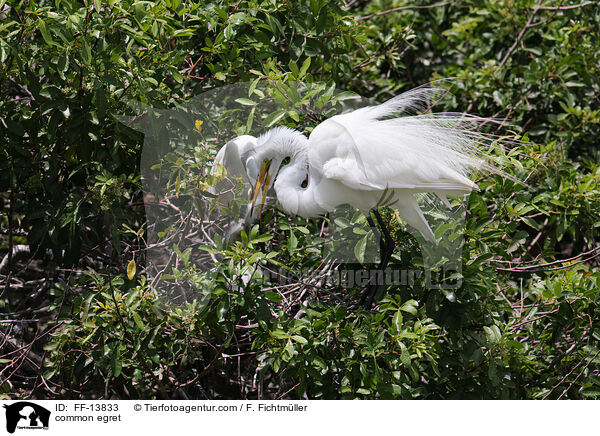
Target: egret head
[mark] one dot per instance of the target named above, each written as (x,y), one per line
(272,149)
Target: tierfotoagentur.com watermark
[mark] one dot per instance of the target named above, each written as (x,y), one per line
(198,200)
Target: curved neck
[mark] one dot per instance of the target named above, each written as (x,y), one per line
(288,184)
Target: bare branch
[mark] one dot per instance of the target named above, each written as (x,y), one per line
(520,36)
(563,8)
(402,8)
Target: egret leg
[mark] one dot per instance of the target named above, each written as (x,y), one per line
(390,244)
(377,234)
(387,249)
(372,287)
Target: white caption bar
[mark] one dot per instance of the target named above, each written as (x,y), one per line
(297,417)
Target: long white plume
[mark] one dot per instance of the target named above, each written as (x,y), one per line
(396,129)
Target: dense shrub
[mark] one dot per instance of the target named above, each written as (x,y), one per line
(523,324)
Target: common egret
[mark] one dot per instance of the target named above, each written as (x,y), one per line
(229,167)
(374,156)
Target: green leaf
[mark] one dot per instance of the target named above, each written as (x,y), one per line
(116,363)
(404,355)
(531,222)
(183,33)
(397,321)
(246,101)
(300,339)
(319,362)
(138,321)
(492,334)
(410,306)
(288,351)
(314,6)
(273,296)
(45,33)
(274,117)
(250,120)
(86,53)
(321,21)
(360,248)
(262,238)
(101,101)
(292,242)
(279,334)
(294,69)
(304,68)
(342,223)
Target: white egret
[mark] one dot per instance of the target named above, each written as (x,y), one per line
(230,167)
(368,158)
(234,155)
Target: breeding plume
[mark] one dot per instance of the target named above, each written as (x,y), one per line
(374,156)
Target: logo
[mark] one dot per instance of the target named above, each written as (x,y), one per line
(26,415)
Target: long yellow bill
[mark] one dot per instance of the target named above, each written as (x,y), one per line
(262,184)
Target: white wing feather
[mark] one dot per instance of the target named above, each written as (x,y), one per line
(374,149)
(364,149)
(233,157)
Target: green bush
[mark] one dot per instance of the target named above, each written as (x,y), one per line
(523,324)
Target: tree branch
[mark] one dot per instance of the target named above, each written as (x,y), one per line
(402,8)
(521,34)
(563,8)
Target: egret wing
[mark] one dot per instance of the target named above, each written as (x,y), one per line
(234,175)
(233,155)
(366,149)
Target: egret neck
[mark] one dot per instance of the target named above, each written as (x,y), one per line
(293,196)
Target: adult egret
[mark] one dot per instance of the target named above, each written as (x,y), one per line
(367,158)
(230,167)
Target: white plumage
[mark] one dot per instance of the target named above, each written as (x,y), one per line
(371,157)
(231,167)
(233,157)
(384,155)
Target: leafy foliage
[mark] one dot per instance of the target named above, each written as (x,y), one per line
(524,323)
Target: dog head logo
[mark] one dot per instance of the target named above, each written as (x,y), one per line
(27,415)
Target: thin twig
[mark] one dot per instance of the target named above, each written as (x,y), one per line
(542,266)
(520,36)
(118,311)
(568,374)
(288,391)
(579,375)
(10,237)
(563,8)
(402,8)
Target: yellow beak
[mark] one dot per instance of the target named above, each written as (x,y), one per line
(262,184)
